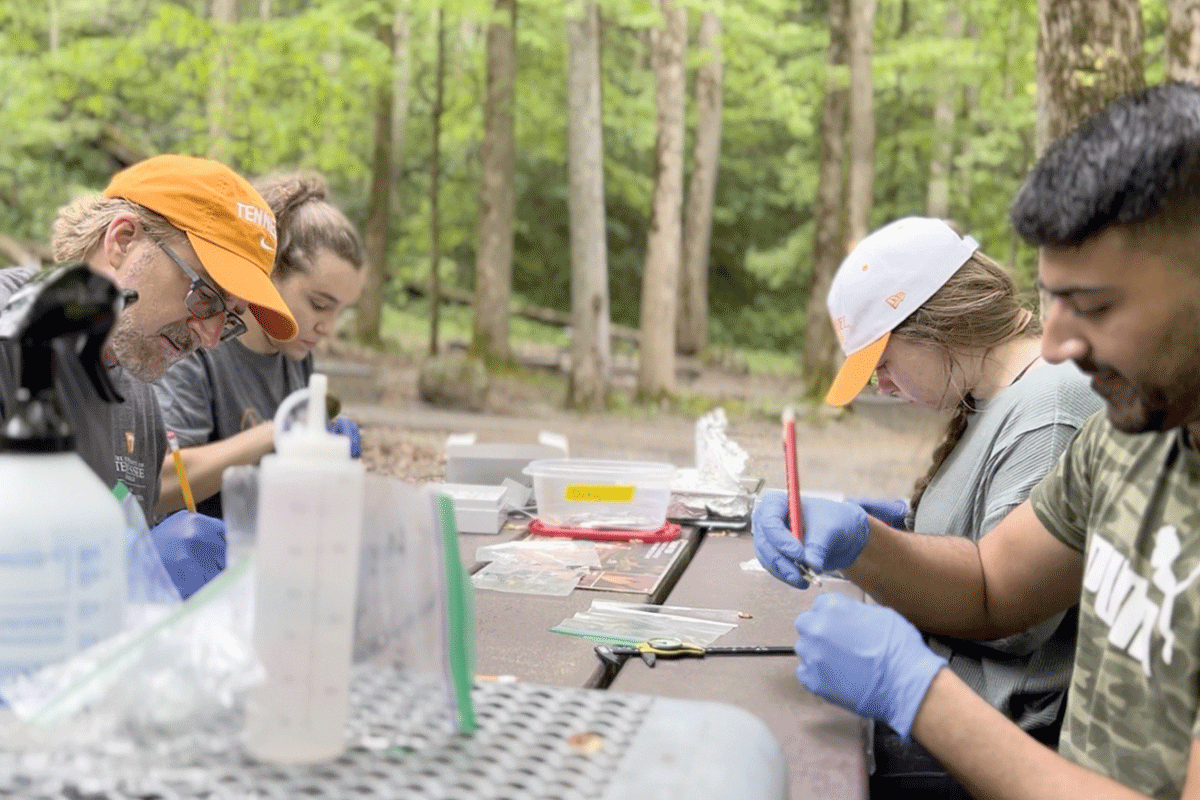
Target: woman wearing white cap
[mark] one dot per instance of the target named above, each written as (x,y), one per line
(940,324)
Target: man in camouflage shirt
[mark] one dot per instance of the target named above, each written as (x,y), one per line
(1115,209)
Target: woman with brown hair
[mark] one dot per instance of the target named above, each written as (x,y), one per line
(220,403)
(941,325)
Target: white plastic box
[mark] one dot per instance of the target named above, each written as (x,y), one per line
(477,509)
(490,464)
(618,495)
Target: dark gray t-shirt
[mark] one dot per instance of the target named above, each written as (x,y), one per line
(119,441)
(213,394)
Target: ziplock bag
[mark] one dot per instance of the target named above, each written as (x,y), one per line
(170,694)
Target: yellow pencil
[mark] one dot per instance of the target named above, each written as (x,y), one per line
(184,486)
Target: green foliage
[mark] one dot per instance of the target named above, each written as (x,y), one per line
(133,77)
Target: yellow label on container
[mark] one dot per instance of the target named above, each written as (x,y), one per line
(586,493)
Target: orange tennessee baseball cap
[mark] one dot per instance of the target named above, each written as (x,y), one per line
(229,225)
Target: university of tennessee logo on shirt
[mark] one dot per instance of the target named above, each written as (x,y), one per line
(129,441)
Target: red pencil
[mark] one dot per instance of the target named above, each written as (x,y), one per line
(792,470)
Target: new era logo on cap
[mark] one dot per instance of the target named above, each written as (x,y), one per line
(887,277)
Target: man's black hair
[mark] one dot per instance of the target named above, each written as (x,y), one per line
(1136,161)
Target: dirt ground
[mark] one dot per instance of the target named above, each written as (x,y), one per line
(877,448)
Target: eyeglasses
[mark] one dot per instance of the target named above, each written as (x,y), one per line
(204,301)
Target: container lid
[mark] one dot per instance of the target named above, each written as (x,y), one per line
(593,468)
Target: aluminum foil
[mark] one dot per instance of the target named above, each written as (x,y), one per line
(717,486)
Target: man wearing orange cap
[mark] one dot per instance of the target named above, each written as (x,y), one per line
(192,246)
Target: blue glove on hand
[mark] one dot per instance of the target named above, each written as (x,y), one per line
(893,512)
(867,659)
(834,534)
(346,427)
(192,549)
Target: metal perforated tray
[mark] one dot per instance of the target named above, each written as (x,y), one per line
(532,742)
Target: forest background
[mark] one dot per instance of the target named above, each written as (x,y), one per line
(466,137)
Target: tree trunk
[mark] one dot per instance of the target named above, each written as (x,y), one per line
(401,78)
(375,227)
(1183,40)
(493,255)
(829,247)
(1089,53)
(899,151)
(945,107)
(862,119)
(965,166)
(692,327)
(1009,88)
(660,280)
(435,168)
(591,352)
(220,140)
(53,32)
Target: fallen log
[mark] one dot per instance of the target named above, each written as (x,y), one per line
(546,316)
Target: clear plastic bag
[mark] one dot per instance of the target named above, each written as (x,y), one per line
(174,668)
(170,688)
(628,623)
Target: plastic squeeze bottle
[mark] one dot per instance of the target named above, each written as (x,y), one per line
(62,532)
(310,508)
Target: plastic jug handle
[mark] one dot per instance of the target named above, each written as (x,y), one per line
(285,408)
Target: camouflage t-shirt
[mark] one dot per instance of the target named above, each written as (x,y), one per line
(1131,504)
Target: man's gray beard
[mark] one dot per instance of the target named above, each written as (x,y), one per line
(136,355)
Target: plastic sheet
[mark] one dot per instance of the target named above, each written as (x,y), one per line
(509,576)
(535,567)
(534,554)
(620,623)
(714,614)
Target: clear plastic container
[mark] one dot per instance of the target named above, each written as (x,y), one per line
(609,495)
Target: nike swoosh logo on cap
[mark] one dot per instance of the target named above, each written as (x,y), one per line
(262,242)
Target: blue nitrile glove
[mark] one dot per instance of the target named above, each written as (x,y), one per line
(834,534)
(192,548)
(866,659)
(347,427)
(891,511)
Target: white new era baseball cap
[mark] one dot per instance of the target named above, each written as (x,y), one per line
(887,277)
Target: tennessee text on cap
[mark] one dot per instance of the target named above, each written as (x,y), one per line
(229,225)
(887,277)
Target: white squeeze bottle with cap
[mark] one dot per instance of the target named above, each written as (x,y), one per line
(310,508)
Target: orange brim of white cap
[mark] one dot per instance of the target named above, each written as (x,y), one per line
(855,372)
(241,278)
